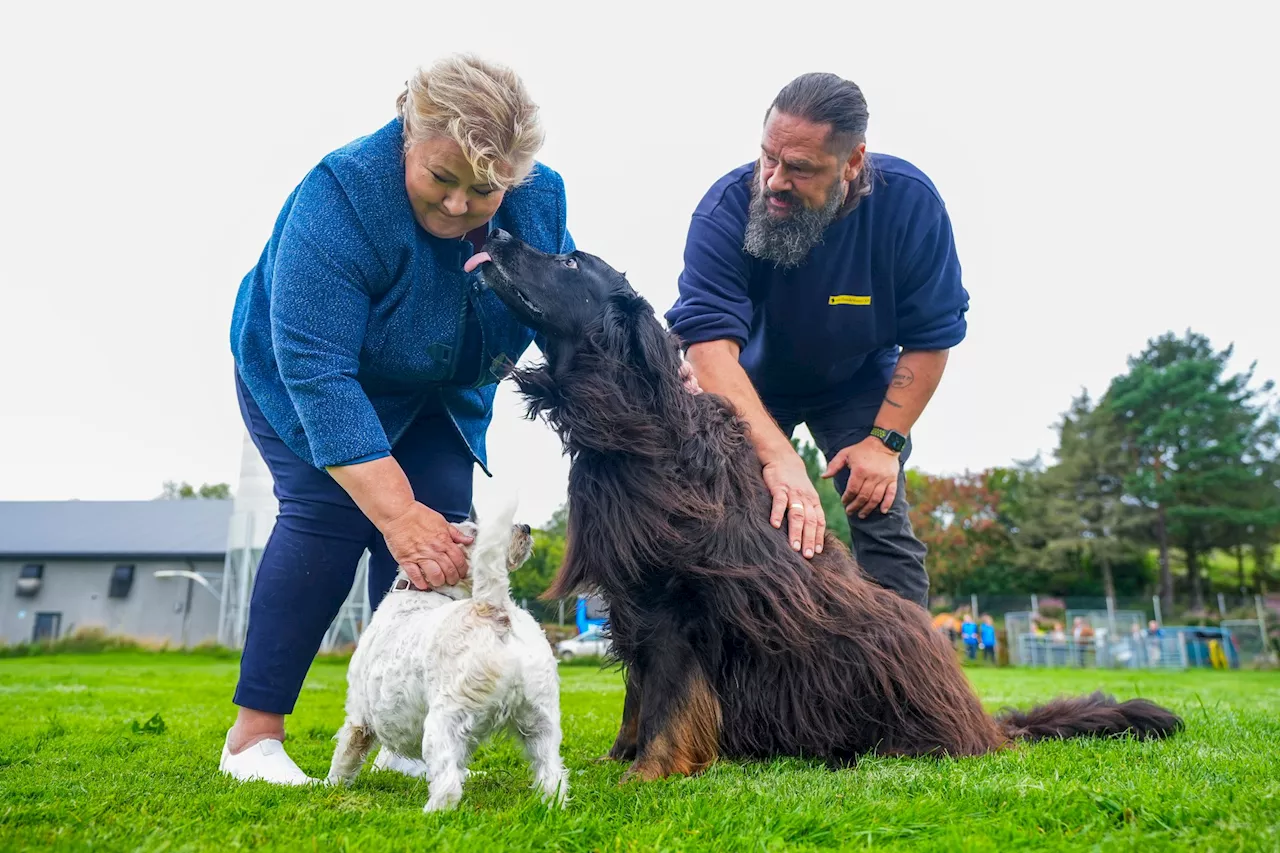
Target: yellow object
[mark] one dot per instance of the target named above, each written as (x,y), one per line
(1216,655)
(849,300)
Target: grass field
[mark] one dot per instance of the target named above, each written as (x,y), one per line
(76,775)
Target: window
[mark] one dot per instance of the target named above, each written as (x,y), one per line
(47,627)
(29,577)
(121,582)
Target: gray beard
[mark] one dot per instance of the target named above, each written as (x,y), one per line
(786,241)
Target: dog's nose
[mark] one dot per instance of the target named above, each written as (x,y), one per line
(498,236)
(525,529)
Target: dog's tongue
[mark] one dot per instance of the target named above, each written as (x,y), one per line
(476,260)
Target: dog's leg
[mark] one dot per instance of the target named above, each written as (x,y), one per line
(539,728)
(354,742)
(624,746)
(678,731)
(446,747)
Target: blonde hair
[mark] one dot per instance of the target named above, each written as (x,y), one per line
(480,105)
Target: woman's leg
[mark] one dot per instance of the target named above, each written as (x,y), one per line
(306,572)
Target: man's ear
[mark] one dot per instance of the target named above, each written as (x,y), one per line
(857,160)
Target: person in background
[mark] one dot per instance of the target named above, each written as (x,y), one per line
(987,638)
(969,635)
(367,357)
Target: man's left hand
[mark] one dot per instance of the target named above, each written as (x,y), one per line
(873,476)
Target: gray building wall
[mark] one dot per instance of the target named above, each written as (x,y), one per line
(156,609)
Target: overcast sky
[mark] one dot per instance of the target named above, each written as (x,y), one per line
(1110,169)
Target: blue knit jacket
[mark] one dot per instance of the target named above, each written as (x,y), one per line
(353,319)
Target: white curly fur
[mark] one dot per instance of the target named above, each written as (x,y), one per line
(436,673)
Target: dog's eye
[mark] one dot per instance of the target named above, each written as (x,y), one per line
(570,263)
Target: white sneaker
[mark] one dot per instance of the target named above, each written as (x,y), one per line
(388,760)
(265,760)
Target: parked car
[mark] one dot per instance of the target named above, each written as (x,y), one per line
(590,643)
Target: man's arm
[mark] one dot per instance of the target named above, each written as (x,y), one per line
(873,467)
(713,317)
(914,380)
(715,364)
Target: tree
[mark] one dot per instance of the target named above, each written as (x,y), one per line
(185,491)
(958,519)
(832,508)
(535,576)
(1087,510)
(1197,442)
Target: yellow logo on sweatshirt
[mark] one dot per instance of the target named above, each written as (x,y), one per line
(846,299)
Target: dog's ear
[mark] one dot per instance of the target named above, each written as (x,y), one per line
(654,345)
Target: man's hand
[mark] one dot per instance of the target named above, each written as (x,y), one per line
(425,545)
(794,494)
(688,377)
(873,476)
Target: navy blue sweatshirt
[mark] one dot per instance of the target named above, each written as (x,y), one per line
(885,278)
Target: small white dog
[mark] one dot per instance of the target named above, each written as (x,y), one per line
(436,673)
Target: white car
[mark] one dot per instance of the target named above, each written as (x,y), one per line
(590,643)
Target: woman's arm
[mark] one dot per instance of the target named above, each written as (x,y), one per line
(422,542)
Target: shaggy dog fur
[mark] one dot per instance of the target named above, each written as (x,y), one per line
(435,673)
(733,644)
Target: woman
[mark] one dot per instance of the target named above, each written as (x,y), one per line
(367,359)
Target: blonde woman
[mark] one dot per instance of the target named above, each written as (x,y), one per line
(367,357)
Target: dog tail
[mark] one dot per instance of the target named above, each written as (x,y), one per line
(1095,715)
(490,584)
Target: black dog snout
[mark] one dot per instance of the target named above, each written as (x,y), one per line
(524,528)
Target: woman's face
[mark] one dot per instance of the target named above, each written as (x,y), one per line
(447,198)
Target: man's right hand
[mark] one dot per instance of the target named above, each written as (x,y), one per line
(425,546)
(795,497)
(716,369)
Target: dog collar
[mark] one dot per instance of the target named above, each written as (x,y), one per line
(403,584)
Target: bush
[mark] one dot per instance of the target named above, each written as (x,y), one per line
(96,640)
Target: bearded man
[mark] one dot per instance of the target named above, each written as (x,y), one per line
(821,286)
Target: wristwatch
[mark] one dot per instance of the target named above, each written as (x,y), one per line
(892,439)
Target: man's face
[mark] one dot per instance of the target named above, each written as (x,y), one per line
(796,167)
(800,185)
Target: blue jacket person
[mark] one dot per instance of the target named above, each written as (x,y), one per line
(367,358)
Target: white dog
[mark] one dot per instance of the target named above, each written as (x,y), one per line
(435,674)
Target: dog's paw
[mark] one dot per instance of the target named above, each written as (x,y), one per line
(443,803)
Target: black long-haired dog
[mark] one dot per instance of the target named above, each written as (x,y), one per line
(733,644)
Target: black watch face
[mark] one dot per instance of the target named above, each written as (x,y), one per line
(895,441)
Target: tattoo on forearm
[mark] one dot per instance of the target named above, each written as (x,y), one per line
(891,403)
(902,377)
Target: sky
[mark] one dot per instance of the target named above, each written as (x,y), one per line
(1110,172)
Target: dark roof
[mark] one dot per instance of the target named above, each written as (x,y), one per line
(174,529)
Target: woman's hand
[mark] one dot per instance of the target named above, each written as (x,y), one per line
(426,547)
(418,537)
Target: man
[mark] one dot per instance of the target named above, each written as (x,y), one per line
(821,286)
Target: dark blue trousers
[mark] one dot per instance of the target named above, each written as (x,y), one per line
(310,559)
(884,543)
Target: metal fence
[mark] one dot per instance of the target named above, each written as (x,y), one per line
(1041,631)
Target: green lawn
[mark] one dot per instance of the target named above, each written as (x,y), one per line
(75,775)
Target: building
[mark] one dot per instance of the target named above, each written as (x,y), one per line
(147,569)
(175,570)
